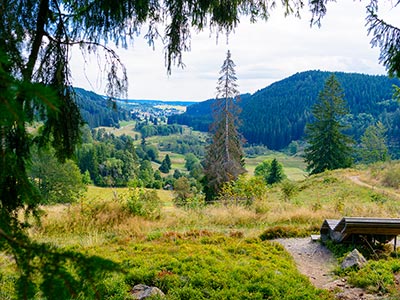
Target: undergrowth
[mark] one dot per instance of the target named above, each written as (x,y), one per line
(378,275)
(213,252)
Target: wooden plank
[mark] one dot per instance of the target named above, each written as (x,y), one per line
(315,237)
(383,229)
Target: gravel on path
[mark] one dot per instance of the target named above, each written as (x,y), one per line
(318,263)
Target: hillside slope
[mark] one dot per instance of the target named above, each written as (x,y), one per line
(276,115)
(97,111)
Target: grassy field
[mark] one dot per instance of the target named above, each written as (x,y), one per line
(126,128)
(293,166)
(216,252)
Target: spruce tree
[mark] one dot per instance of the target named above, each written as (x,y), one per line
(168,161)
(275,173)
(224,161)
(165,166)
(329,148)
(373,146)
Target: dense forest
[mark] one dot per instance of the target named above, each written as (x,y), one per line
(97,111)
(276,115)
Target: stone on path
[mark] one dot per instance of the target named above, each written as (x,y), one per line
(354,258)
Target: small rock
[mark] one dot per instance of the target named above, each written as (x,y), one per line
(141,291)
(354,258)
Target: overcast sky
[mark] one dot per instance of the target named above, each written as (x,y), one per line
(264,53)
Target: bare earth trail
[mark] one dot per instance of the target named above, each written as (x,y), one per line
(312,259)
(317,263)
(356,179)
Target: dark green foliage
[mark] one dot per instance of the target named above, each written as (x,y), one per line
(184,144)
(57,182)
(190,161)
(329,148)
(165,166)
(276,172)
(373,144)
(168,161)
(276,115)
(386,37)
(270,171)
(110,160)
(146,174)
(177,174)
(147,130)
(224,161)
(96,111)
(151,152)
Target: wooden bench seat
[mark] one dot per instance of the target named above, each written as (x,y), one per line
(352,229)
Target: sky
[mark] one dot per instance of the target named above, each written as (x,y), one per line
(264,52)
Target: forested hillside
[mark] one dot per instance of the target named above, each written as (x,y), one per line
(276,115)
(97,111)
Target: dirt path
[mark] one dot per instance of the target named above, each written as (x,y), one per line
(312,259)
(317,263)
(356,179)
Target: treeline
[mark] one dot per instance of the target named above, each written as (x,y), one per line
(277,114)
(148,129)
(184,144)
(110,160)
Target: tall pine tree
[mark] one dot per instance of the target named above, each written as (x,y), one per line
(225,159)
(329,148)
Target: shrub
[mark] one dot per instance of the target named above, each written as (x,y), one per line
(144,203)
(376,276)
(187,195)
(391,178)
(243,191)
(289,189)
(287,231)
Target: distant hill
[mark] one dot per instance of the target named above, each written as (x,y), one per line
(97,111)
(156,102)
(276,115)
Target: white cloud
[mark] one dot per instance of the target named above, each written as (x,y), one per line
(263,52)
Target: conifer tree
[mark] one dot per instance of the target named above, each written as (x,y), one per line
(168,161)
(329,148)
(373,144)
(275,173)
(224,160)
(165,166)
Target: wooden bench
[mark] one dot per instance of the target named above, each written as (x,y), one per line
(358,229)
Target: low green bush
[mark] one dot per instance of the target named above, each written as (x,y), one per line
(219,267)
(144,203)
(287,231)
(391,176)
(376,276)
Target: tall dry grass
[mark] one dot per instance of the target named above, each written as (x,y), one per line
(330,195)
